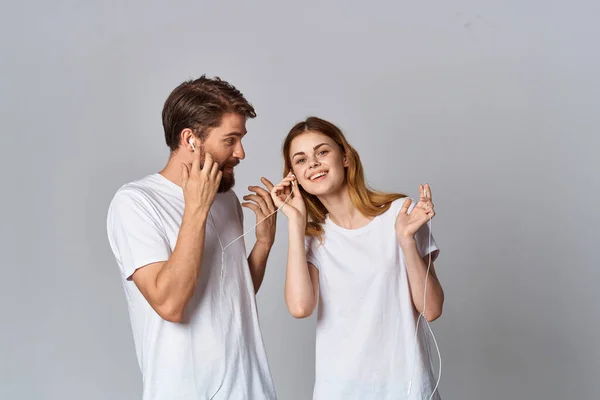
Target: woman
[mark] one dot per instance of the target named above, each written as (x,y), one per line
(365,256)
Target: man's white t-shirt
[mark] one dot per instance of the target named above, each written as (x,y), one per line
(366,319)
(186,360)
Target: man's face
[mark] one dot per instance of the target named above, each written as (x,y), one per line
(224,143)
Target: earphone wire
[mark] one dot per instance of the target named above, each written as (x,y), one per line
(422,315)
(221,294)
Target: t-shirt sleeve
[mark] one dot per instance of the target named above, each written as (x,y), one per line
(135,234)
(239,210)
(425,241)
(310,246)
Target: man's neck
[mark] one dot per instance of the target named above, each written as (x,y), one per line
(172,171)
(342,211)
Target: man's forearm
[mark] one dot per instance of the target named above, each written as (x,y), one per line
(257,261)
(177,279)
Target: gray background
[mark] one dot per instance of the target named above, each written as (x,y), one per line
(495,104)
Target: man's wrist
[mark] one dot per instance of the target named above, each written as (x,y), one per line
(262,245)
(195,214)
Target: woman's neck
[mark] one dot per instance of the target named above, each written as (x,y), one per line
(342,211)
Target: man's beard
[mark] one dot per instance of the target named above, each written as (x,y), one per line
(228,178)
(227,182)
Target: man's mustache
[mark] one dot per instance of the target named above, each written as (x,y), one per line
(230,164)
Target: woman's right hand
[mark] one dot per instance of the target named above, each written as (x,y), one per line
(294,208)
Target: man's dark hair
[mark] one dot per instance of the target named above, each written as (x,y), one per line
(200,105)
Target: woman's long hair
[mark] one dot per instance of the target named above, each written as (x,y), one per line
(369,202)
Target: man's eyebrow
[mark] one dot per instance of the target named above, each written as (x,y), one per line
(238,134)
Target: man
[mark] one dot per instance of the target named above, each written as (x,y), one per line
(192,305)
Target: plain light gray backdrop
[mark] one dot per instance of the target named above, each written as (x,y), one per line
(495,105)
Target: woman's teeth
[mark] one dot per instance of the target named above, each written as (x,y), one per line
(318,175)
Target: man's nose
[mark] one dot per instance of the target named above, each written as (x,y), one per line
(239,152)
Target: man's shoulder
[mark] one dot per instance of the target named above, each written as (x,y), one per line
(226,205)
(233,196)
(228,199)
(136,193)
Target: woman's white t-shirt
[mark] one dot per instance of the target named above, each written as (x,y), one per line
(366,319)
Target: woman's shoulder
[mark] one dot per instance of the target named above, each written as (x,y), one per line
(397,204)
(313,242)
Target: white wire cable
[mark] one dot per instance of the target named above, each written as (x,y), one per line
(222,277)
(422,315)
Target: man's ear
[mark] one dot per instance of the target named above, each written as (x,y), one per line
(188,139)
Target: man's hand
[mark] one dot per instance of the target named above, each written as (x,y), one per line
(262,205)
(200,185)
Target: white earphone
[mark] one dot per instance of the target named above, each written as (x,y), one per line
(191,142)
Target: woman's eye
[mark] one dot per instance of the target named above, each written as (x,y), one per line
(298,161)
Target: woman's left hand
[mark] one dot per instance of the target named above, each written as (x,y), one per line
(408,224)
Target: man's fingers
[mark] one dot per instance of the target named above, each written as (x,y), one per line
(196,160)
(214,169)
(260,201)
(266,195)
(251,206)
(208,162)
(185,174)
(258,190)
(267,183)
